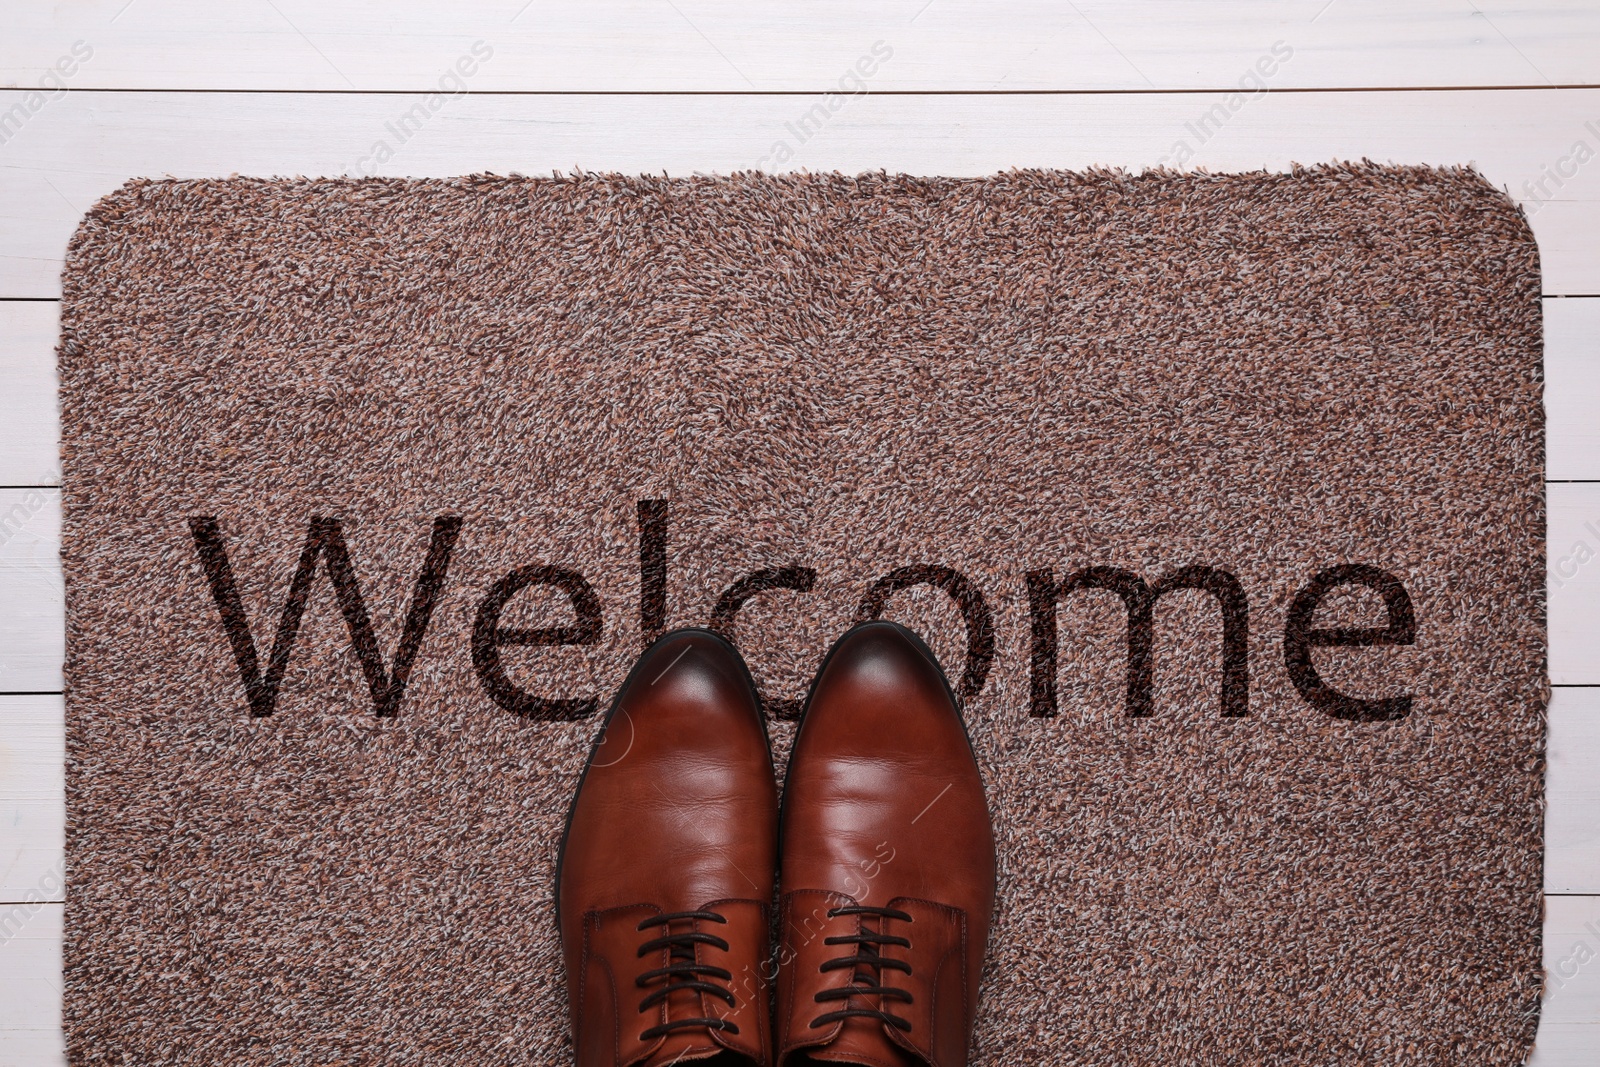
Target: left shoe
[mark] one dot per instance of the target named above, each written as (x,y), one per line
(667,868)
(887,881)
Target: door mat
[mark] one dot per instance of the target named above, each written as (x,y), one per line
(1219,496)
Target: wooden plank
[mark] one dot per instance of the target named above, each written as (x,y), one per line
(32,610)
(1569,1027)
(1572,791)
(32,804)
(1572,389)
(32,1048)
(32,785)
(1574,583)
(78,147)
(30,428)
(32,620)
(30,987)
(32,798)
(566,45)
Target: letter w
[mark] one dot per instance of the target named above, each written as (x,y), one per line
(324,537)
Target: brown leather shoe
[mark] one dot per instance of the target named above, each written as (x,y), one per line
(667,869)
(887,866)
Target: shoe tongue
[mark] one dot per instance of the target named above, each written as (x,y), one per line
(862,1042)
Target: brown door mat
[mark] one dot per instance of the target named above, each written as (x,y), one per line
(1219,495)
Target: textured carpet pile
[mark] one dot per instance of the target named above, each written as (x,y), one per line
(523,423)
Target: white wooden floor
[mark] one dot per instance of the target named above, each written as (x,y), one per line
(103,90)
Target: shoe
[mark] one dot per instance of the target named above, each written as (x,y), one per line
(666,876)
(886,864)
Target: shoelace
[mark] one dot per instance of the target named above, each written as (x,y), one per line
(682,972)
(866,957)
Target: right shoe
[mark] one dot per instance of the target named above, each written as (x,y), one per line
(667,868)
(887,859)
